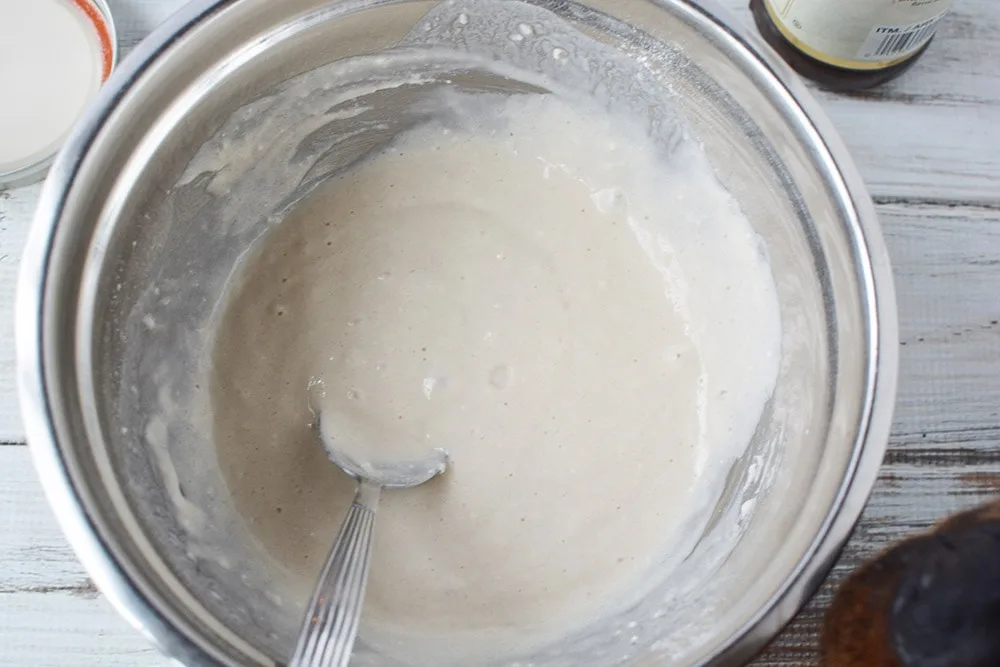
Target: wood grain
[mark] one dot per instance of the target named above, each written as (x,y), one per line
(16,208)
(935,136)
(50,612)
(931,134)
(34,554)
(907,498)
(927,147)
(944,452)
(62,628)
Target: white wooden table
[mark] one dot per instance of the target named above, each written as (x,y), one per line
(929,148)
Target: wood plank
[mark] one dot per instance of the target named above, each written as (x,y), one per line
(134,19)
(64,628)
(907,499)
(932,133)
(928,136)
(33,552)
(940,152)
(957,69)
(945,447)
(946,263)
(16,208)
(50,612)
(948,277)
(944,452)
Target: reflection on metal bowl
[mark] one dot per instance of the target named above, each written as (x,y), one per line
(122,221)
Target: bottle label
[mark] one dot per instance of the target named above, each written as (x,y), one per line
(858,34)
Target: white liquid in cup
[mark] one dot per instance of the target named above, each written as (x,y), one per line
(51,65)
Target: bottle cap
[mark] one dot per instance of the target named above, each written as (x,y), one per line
(54,55)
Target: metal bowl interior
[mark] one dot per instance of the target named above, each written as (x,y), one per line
(121,226)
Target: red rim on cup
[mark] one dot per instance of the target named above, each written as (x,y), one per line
(57,54)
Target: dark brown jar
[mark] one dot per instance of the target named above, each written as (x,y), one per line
(849,44)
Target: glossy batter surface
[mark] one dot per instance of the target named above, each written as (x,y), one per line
(535,292)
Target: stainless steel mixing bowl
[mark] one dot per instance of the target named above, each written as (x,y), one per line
(127,250)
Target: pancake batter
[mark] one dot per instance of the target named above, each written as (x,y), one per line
(590,331)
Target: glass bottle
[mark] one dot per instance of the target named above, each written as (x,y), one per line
(849,44)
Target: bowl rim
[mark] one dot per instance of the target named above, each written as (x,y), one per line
(143,613)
